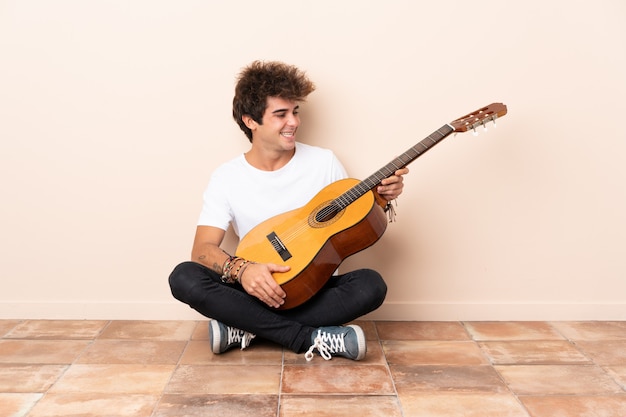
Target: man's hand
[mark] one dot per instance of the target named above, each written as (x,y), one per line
(391,187)
(259,282)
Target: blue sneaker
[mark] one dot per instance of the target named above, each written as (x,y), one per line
(347,341)
(223,337)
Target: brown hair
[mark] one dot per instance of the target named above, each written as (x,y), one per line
(261,80)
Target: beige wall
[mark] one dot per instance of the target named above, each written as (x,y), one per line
(114,113)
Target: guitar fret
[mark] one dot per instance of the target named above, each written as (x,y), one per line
(401,161)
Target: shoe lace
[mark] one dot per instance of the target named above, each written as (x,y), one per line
(326,344)
(246,338)
(235,335)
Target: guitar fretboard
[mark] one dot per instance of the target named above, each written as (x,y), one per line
(347,198)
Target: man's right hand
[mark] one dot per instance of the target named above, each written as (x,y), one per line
(257,280)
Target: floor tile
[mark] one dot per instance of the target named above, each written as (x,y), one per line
(369,328)
(421,330)
(452,379)
(198,352)
(410,352)
(166,368)
(29,378)
(605,352)
(217,405)
(618,373)
(17,405)
(201,330)
(149,330)
(41,351)
(87,405)
(568,406)
(338,379)
(114,379)
(340,406)
(558,380)
(7,325)
(57,329)
(512,330)
(133,352)
(592,330)
(235,379)
(537,352)
(461,405)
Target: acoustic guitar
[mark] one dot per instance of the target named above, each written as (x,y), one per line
(344,218)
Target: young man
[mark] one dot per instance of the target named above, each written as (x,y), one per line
(276,175)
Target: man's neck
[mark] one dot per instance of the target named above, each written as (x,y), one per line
(268,161)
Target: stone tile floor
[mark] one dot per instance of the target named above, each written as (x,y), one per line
(165,369)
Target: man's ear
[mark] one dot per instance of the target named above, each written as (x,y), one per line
(249,121)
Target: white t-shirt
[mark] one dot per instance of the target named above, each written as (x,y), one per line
(245,196)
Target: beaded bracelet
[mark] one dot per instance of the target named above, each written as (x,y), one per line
(227,268)
(235,276)
(230,277)
(240,274)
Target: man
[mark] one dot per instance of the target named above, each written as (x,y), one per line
(276,175)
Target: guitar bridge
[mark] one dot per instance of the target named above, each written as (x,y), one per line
(279,246)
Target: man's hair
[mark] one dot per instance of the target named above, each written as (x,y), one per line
(261,80)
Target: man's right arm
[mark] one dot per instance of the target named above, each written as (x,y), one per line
(206,248)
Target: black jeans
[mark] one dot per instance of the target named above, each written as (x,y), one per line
(344,298)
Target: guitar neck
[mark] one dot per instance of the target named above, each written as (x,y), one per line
(388,170)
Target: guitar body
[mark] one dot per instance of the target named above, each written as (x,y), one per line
(311,246)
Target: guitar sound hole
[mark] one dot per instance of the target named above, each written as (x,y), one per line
(327,213)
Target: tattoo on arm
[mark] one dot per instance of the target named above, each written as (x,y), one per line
(216,267)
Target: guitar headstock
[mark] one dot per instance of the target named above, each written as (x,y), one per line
(479,117)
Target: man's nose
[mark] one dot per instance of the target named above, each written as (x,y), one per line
(293,120)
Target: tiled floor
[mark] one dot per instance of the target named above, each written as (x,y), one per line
(165,368)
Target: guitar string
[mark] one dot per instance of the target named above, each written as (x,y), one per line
(344,200)
(303,225)
(358,190)
(294,232)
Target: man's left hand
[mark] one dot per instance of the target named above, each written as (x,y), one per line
(390,188)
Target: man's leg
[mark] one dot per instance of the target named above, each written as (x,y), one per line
(202,289)
(344,298)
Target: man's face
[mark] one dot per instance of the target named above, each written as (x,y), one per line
(280,123)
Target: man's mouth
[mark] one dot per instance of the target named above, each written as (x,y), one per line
(288,134)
